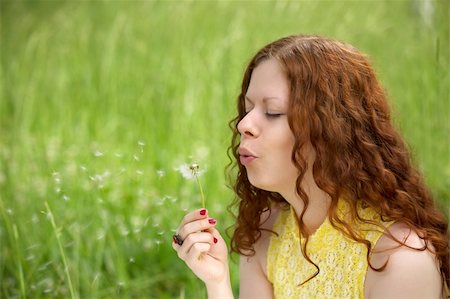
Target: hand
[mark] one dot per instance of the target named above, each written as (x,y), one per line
(203,248)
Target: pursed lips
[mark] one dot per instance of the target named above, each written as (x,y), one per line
(246,156)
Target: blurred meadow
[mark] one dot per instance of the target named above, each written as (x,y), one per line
(101,101)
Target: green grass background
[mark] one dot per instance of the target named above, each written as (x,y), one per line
(101,100)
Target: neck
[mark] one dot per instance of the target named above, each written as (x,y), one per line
(319,203)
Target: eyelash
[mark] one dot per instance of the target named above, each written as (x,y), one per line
(267,114)
(273,115)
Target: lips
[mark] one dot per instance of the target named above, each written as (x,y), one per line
(246,156)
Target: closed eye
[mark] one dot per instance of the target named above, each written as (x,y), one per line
(273,115)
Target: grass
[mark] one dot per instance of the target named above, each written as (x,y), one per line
(101,100)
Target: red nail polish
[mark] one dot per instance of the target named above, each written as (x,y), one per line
(215,240)
(203,212)
(212,221)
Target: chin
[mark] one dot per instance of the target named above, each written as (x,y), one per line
(261,184)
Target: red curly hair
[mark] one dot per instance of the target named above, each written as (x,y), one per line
(338,105)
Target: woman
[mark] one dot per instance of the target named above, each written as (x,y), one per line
(329,203)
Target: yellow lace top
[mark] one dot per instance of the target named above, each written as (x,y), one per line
(341,260)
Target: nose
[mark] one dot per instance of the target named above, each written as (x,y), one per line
(247,126)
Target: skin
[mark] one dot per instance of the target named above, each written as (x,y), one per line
(266,134)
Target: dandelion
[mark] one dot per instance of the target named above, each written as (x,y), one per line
(193,172)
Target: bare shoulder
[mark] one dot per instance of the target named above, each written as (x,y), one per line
(253,275)
(411,271)
(261,246)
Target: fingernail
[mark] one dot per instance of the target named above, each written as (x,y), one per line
(212,221)
(215,240)
(203,212)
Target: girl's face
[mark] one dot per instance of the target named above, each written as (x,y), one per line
(266,138)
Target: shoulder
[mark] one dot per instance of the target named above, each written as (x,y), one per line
(252,269)
(411,271)
(267,221)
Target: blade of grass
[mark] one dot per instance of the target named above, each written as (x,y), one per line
(61,250)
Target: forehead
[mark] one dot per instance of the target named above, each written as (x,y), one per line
(268,81)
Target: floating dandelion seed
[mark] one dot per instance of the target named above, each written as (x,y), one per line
(160,173)
(141,145)
(98,153)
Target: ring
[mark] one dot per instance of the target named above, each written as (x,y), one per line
(177,239)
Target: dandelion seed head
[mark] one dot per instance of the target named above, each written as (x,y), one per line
(131,260)
(160,173)
(194,168)
(189,172)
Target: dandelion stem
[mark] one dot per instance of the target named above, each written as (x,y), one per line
(63,256)
(201,191)
(194,170)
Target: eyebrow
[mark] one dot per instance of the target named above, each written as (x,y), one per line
(265,99)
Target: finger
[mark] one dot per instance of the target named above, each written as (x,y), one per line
(194,215)
(191,240)
(196,226)
(196,251)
